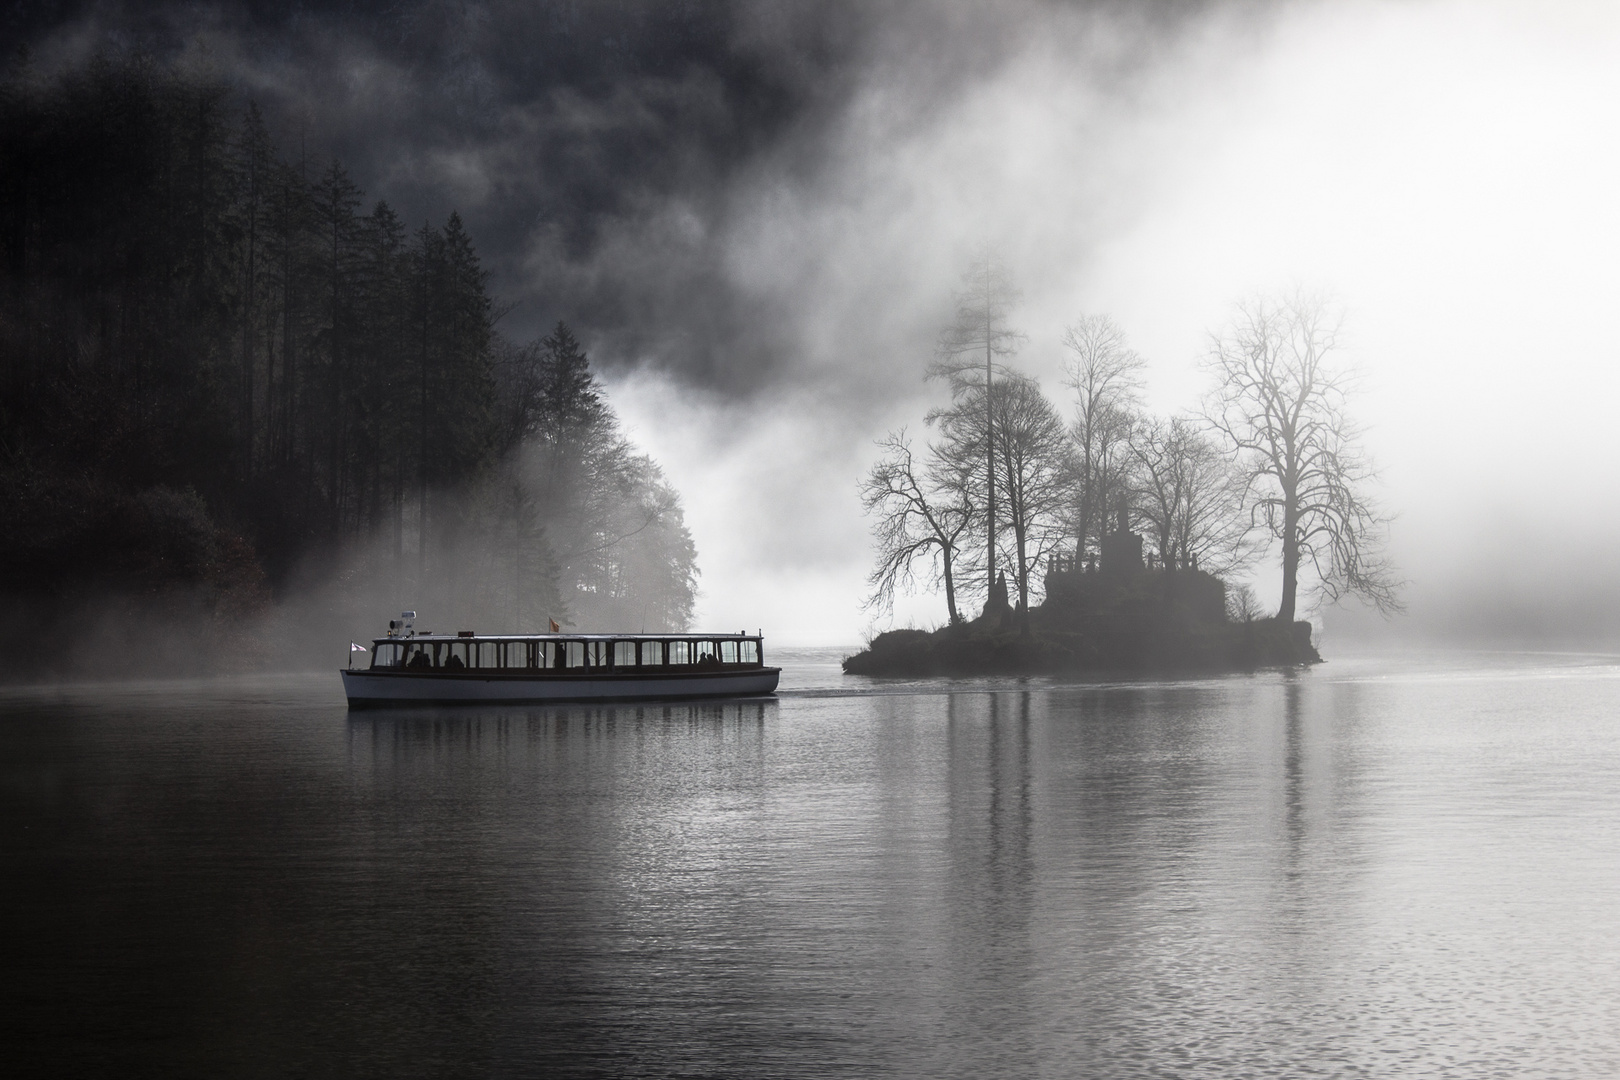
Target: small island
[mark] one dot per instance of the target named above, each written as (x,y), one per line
(1006,486)
(1115,614)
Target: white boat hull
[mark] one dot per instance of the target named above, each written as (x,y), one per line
(370,688)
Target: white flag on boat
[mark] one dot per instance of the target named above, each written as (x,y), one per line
(355,647)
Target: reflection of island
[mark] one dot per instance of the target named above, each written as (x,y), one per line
(1116,613)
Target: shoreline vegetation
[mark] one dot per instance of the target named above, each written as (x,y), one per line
(974,649)
(1143,523)
(245,412)
(1150,622)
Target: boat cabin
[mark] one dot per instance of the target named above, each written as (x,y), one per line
(571,654)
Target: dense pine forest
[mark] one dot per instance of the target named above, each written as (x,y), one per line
(230,387)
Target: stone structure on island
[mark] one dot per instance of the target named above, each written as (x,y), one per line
(1121,578)
(1121,549)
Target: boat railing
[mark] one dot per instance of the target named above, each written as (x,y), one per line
(553,655)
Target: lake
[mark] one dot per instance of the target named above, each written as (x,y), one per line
(1400,866)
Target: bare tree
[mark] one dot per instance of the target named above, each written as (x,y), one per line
(1032,448)
(1189,494)
(1282,407)
(970,351)
(1105,375)
(919,514)
(1241,603)
(1031,459)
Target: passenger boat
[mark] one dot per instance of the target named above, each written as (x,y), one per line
(408,668)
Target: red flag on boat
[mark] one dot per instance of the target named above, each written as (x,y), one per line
(555,629)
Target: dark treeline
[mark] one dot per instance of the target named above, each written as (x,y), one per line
(222,371)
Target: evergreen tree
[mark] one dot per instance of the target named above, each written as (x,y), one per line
(183,309)
(335,199)
(254,158)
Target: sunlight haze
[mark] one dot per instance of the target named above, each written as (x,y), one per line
(1443,171)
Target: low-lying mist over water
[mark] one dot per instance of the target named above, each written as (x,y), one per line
(754,217)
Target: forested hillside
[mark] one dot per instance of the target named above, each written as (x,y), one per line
(226,380)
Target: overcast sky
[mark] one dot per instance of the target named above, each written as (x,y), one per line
(754,214)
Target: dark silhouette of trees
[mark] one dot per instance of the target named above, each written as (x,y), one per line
(970,351)
(185,310)
(1275,454)
(1032,449)
(1281,405)
(383,388)
(623,555)
(1189,495)
(921,512)
(254,163)
(1029,459)
(647,576)
(1241,603)
(182,306)
(1105,375)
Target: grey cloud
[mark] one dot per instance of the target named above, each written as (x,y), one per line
(612,158)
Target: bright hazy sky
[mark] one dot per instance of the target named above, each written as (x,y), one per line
(1448,171)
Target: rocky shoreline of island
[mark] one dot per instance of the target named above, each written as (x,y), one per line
(1164,620)
(976,649)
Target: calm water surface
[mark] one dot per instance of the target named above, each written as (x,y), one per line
(1387,867)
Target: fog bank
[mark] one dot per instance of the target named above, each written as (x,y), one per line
(756,216)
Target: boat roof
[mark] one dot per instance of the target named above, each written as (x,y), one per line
(574,637)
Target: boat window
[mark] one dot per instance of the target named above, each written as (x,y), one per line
(680,652)
(484,654)
(749,653)
(458,650)
(575,653)
(386,655)
(705,648)
(652,652)
(624,654)
(545,654)
(728,652)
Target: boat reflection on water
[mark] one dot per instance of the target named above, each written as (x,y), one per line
(499,728)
